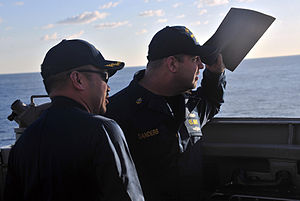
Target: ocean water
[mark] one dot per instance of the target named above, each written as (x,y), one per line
(266,87)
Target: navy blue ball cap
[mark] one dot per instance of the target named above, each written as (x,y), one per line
(173,40)
(69,54)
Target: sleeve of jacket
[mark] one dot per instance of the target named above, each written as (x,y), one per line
(117,174)
(12,187)
(211,94)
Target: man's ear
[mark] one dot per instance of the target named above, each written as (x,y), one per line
(78,80)
(172,64)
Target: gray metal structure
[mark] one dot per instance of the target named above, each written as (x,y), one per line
(254,158)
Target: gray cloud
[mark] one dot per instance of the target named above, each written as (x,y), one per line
(201,3)
(19,3)
(49,26)
(75,35)
(111,25)
(109,5)
(84,18)
(202,12)
(180,16)
(162,20)
(49,37)
(150,13)
(143,31)
(54,36)
(176,5)
(247,1)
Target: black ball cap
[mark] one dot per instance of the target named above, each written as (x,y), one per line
(173,40)
(69,54)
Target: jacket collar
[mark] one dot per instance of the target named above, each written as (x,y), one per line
(65,102)
(144,97)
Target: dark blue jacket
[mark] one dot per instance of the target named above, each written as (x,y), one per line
(69,154)
(162,133)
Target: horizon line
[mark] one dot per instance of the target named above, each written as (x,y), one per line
(145,64)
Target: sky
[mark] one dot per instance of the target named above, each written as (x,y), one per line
(122,29)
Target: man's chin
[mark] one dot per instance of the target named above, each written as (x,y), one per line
(194,85)
(190,89)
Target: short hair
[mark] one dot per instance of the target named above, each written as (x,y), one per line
(159,62)
(56,81)
(155,63)
(179,57)
(59,80)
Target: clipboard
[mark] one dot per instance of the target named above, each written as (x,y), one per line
(236,35)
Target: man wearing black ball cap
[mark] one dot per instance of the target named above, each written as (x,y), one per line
(162,117)
(72,153)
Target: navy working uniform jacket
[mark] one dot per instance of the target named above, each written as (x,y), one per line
(162,133)
(70,154)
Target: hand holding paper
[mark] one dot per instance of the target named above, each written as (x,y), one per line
(218,66)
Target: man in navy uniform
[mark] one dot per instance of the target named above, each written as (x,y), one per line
(72,153)
(162,117)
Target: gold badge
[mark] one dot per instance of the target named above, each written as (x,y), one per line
(193,121)
(113,64)
(139,101)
